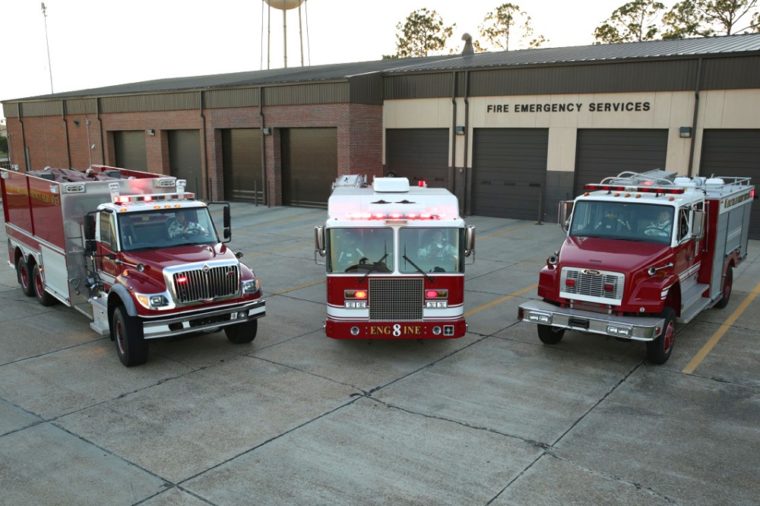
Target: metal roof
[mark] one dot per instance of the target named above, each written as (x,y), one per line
(661,49)
(596,53)
(331,72)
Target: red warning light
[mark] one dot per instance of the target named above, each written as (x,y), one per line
(181,280)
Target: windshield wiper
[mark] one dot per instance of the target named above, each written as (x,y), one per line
(416,266)
(375,265)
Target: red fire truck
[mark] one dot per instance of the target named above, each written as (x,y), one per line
(642,252)
(132,251)
(395,258)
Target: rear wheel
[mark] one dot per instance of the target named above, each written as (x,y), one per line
(728,284)
(43,297)
(658,351)
(24,276)
(127,333)
(242,332)
(550,335)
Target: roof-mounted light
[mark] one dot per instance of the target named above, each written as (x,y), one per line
(394,215)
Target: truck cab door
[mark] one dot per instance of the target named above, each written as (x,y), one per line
(107,247)
(686,250)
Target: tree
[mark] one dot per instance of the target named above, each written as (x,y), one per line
(632,22)
(499,25)
(685,19)
(728,14)
(702,18)
(422,33)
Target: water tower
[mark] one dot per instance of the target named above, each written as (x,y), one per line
(284,6)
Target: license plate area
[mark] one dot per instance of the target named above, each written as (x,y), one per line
(578,323)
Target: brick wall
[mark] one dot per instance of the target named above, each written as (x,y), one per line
(53,141)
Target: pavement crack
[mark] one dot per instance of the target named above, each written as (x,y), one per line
(602,399)
(537,444)
(615,478)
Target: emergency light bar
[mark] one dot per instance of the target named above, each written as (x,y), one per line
(641,189)
(136,199)
(394,216)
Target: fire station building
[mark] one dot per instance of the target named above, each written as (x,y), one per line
(510,133)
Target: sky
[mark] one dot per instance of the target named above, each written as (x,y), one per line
(97,43)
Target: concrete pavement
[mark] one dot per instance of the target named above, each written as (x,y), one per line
(296,418)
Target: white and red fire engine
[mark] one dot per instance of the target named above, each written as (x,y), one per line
(132,251)
(642,252)
(395,258)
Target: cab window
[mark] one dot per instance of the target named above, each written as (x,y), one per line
(107,230)
(683,223)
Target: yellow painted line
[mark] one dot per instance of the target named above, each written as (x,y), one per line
(299,287)
(503,231)
(710,344)
(496,302)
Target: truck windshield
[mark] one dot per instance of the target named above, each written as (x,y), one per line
(626,221)
(360,250)
(164,228)
(431,250)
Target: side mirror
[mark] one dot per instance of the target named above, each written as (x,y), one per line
(564,212)
(227,223)
(319,241)
(469,241)
(89,234)
(698,224)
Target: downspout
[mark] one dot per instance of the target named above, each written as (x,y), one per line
(468,173)
(66,132)
(694,118)
(452,167)
(262,124)
(100,132)
(204,153)
(23,137)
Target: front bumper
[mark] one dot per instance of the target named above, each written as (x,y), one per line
(635,328)
(200,321)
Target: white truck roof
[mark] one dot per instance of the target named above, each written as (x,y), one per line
(393,199)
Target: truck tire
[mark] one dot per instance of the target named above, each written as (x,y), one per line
(658,351)
(43,297)
(550,335)
(242,332)
(127,334)
(728,284)
(24,276)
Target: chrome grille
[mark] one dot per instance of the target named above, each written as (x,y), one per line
(589,285)
(206,283)
(395,299)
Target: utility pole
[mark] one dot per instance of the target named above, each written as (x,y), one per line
(47,44)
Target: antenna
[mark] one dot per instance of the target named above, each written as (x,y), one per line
(47,44)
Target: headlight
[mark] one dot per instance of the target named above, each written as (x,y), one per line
(152,301)
(251,285)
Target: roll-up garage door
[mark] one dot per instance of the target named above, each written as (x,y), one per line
(129,149)
(604,153)
(185,157)
(734,153)
(241,149)
(309,165)
(419,154)
(509,171)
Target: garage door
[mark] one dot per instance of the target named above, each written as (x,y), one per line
(734,153)
(419,154)
(509,171)
(185,157)
(241,149)
(309,165)
(129,150)
(604,153)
